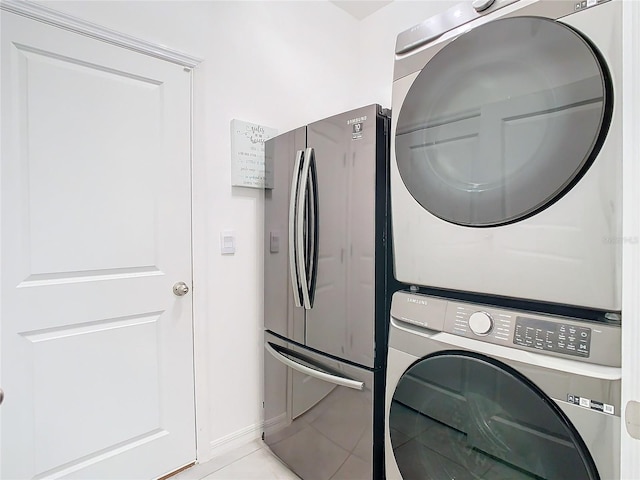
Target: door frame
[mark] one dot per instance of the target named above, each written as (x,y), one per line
(189,62)
(65,21)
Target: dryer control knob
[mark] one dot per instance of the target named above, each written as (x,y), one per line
(480,323)
(481,5)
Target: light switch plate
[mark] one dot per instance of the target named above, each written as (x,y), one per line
(274,242)
(227,242)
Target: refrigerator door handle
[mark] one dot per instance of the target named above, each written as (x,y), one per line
(312,372)
(293,217)
(301,226)
(312,260)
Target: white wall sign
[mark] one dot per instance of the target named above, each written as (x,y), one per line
(247,154)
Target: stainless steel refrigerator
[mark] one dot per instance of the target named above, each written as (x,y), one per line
(327,271)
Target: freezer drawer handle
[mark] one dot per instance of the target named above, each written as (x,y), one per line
(293,267)
(312,372)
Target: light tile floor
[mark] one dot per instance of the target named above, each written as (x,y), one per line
(253,461)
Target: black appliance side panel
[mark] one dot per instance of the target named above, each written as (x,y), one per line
(378,423)
(385,283)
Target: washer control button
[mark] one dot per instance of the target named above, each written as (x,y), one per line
(480,323)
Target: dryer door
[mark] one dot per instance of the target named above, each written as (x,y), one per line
(463,415)
(503,121)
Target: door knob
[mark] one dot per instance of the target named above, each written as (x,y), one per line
(180,289)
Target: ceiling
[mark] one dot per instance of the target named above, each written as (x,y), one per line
(361,8)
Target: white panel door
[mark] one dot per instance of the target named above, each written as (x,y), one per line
(97,351)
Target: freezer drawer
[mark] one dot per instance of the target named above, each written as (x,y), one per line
(318,412)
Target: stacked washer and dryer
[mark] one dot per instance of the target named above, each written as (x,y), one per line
(504,357)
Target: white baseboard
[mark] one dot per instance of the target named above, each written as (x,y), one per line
(243,441)
(224,452)
(235,440)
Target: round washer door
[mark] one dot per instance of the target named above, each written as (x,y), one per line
(463,415)
(503,121)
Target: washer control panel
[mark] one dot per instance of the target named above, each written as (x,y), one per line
(472,321)
(546,334)
(552,336)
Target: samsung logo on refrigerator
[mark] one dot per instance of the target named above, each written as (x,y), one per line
(356,120)
(417,301)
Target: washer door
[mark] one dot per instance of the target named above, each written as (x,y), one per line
(466,416)
(503,121)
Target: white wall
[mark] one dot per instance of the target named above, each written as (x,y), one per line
(277,64)
(378,34)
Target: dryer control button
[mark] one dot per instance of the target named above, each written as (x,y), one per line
(480,323)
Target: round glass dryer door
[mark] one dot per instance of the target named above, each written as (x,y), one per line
(503,121)
(466,416)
